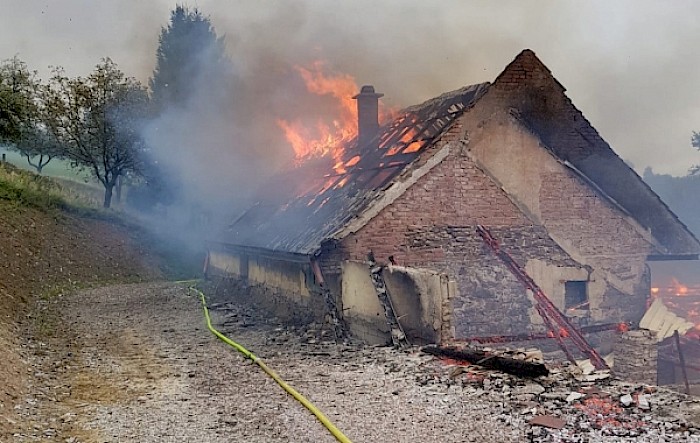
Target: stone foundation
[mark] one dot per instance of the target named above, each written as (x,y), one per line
(636,357)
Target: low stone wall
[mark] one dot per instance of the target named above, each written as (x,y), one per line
(636,356)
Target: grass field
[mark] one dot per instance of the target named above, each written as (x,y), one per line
(55,168)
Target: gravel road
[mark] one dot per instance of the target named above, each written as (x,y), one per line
(135,363)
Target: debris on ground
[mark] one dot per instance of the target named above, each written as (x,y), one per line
(135,363)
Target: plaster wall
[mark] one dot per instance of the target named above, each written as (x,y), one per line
(416,294)
(224,262)
(286,276)
(590,228)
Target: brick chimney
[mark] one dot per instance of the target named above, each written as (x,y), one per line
(367,114)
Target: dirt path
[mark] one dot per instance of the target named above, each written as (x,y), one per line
(135,363)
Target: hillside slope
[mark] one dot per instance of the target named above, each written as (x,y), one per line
(45,251)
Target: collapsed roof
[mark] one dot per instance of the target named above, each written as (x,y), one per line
(312,203)
(308,204)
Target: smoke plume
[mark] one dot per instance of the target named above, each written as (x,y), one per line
(629,65)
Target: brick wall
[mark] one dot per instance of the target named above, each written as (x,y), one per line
(589,226)
(528,87)
(433,225)
(605,239)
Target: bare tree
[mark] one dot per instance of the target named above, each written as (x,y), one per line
(97,120)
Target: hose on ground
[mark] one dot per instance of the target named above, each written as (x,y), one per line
(325,421)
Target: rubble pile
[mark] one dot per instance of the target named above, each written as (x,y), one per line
(570,406)
(136,363)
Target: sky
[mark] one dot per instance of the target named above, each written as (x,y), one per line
(631,66)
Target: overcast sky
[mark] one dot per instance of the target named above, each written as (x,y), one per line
(632,67)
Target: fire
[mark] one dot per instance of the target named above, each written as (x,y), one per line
(329,134)
(680,290)
(353,161)
(674,289)
(682,299)
(607,413)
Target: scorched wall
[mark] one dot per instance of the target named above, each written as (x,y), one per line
(433,225)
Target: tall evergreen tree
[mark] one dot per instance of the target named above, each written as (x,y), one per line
(191,68)
(189,53)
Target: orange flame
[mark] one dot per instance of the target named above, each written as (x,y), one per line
(679,289)
(329,135)
(680,298)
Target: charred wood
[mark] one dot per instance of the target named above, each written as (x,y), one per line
(339,327)
(681,358)
(616,327)
(398,336)
(489,360)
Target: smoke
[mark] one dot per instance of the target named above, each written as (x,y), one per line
(226,141)
(629,66)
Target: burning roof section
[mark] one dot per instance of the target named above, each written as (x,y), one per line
(308,204)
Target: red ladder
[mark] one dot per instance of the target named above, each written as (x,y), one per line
(555,320)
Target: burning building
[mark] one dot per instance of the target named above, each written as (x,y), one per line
(513,157)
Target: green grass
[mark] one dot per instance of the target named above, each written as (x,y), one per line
(58,196)
(55,168)
(24,188)
(27,189)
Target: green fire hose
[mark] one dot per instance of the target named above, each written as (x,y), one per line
(291,391)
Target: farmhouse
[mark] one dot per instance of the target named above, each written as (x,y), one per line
(514,160)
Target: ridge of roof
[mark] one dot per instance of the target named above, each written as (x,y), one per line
(595,158)
(319,203)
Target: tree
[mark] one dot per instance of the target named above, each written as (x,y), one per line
(17,88)
(39,147)
(191,65)
(30,136)
(98,119)
(695,142)
(188,53)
